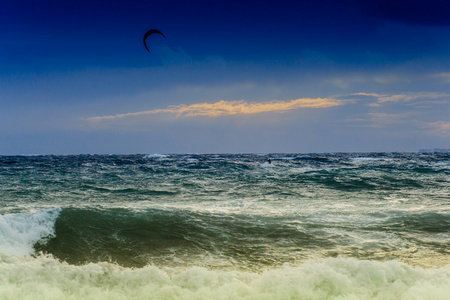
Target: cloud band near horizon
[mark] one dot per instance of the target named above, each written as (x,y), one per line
(229,108)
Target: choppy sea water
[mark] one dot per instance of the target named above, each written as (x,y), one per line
(306,226)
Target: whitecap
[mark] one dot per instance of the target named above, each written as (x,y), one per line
(362,159)
(47,278)
(19,232)
(156,155)
(267,165)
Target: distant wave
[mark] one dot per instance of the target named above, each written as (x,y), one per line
(365,159)
(156,155)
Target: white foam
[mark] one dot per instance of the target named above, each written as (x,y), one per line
(365,158)
(47,278)
(442,164)
(307,169)
(267,165)
(156,155)
(19,232)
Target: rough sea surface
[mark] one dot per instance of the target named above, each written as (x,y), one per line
(306,226)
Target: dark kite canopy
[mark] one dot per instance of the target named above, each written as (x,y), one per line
(150,32)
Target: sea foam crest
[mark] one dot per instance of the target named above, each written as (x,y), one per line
(267,165)
(156,155)
(19,232)
(363,159)
(44,277)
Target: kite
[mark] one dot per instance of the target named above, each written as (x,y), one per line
(150,32)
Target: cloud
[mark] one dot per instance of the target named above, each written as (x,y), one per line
(381,120)
(443,76)
(229,108)
(410,98)
(366,94)
(349,81)
(346,82)
(172,56)
(441,127)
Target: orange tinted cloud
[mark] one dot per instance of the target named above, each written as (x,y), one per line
(228,108)
(442,127)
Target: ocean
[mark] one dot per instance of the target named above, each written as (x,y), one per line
(195,226)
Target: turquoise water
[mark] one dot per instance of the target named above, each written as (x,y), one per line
(306,226)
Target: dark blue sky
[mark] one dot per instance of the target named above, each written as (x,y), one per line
(293,76)
(76,34)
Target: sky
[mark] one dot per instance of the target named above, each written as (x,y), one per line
(230,76)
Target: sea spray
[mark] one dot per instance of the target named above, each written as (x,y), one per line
(44,277)
(20,232)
